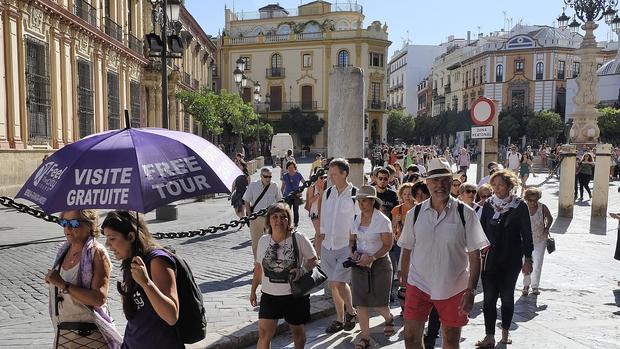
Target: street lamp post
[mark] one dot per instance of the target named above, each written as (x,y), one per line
(166,14)
(241,81)
(257,100)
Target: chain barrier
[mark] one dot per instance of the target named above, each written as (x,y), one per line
(9,202)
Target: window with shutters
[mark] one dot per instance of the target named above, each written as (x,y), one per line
(86,111)
(114,119)
(134,91)
(38,99)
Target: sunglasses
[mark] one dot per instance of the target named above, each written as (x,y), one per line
(72,223)
(266,176)
(469,191)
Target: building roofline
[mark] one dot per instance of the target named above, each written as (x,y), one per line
(191,22)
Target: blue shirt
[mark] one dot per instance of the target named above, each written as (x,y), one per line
(291,183)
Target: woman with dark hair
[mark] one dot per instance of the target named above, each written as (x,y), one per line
(79,282)
(585,171)
(371,279)
(149,289)
(240,185)
(290,182)
(525,167)
(275,265)
(506,222)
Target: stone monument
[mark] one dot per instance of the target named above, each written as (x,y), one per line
(345,136)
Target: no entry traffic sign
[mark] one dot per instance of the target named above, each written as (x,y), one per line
(482,111)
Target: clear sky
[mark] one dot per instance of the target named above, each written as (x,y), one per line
(422,21)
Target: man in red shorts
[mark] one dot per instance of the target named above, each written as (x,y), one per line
(441,242)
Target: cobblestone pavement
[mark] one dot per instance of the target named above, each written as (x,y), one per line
(222,266)
(579,304)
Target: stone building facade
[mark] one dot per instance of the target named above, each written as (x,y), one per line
(290,52)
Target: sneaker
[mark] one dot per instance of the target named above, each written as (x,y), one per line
(349,321)
(335,327)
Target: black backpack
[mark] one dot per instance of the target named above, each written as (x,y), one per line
(353,192)
(192,323)
(460,208)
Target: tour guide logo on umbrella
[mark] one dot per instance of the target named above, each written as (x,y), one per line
(132,169)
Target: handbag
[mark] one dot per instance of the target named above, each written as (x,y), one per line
(304,285)
(550,244)
(79,335)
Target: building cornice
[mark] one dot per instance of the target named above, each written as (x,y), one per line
(192,24)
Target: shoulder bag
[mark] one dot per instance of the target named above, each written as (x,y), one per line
(304,285)
(259,198)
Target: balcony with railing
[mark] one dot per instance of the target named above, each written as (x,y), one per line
(303,105)
(135,44)
(85,11)
(375,104)
(299,11)
(113,29)
(275,73)
(187,79)
(447,88)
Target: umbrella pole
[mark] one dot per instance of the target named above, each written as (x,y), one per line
(136,244)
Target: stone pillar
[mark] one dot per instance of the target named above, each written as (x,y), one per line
(567,181)
(99,87)
(346,119)
(601,180)
(56,83)
(4,140)
(13,91)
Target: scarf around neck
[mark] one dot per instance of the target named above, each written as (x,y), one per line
(501,206)
(101,317)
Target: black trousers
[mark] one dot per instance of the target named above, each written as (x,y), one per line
(295,209)
(584,182)
(499,285)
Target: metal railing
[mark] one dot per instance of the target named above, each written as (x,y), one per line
(375,104)
(187,79)
(113,29)
(135,44)
(275,72)
(38,99)
(293,12)
(85,11)
(303,105)
(195,84)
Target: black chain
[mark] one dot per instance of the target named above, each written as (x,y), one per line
(9,202)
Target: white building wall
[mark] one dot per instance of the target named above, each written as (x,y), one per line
(420,60)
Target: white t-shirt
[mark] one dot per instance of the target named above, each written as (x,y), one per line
(513,160)
(369,238)
(337,213)
(278,262)
(439,244)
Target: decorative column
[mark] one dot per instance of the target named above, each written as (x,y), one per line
(175,122)
(99,87)
(4,125)
(585,128)
(567,181)
(13,91)
(56,35)
(600,193)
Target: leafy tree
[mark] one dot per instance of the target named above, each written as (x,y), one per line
(509,126)
(305,126)
(609,124)
(217,110)
(544,124)
(424,128)
(400,125)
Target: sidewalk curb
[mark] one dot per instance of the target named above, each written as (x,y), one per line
(321,306)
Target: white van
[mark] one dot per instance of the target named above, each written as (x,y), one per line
(280,144)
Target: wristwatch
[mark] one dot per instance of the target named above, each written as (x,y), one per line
(66,288)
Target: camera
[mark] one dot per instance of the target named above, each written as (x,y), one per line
(350,262)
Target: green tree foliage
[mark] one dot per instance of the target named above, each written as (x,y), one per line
(214,110)
(544,124)
(400,125)
(609,124)
(509,126)
(305,126)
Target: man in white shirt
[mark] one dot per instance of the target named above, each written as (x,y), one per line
(441,259)
(338,210)
(260,194)
(513,159)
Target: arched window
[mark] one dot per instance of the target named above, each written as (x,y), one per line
(499,73)
(540,68)
(343,58)
(276,65)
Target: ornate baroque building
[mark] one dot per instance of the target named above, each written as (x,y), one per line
(525,69)
(69,68)
(290,52)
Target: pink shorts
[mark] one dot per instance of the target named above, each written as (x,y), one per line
(418,306)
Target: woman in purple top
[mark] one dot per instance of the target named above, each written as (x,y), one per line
(290,182)
(149,291)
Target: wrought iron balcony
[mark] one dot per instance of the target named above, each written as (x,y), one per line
(275,73)
(375,104)
(447,88)
(187,79)
(113,30)
(135,44)
(85,11)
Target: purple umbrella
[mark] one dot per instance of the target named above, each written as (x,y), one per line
(136,169)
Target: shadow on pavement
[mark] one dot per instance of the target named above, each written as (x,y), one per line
(527,308)
(226,284)
(205,238)
(598,226)
(34,242)
(242,245)
(560,225)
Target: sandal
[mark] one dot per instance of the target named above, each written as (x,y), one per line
(526,290)
(349,321)
(335,326)
(388,327)
(506,341)
(362,344)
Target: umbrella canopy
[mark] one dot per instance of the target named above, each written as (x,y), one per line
(136,169)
